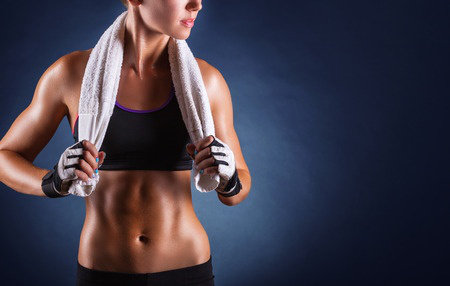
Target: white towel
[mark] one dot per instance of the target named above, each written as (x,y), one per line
(99,89)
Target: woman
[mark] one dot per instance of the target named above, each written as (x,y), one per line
(140,226)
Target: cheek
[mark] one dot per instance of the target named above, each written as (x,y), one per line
(164,15)
(174,12)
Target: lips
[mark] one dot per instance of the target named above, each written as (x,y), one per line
(188,22)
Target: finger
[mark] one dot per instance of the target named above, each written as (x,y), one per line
(206,163)
(81,175)
(212,170)
(85,167)
(202,155)
(87,156)
(91,148)
(204,152)
(203,143)
(101,158)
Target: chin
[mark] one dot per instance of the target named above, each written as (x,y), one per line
(181,36)
(180,33)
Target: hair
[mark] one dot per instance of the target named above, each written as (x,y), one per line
(125,3)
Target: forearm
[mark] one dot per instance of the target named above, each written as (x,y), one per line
(246,181)
(20,174)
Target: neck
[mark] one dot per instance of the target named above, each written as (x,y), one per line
(145,50)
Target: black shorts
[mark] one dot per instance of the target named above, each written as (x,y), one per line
(199,275)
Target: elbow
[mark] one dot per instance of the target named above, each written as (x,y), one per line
(234,200)
(228,201)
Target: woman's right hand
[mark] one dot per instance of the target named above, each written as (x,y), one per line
(79,161)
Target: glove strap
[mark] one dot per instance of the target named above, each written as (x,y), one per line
(51,184)
(233,186)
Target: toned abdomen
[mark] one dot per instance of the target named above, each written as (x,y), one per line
(142,222)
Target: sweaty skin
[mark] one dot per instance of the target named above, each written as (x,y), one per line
(137,221)
(141,221)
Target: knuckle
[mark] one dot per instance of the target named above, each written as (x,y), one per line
(83,176)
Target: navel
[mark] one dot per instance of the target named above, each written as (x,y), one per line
(144,239)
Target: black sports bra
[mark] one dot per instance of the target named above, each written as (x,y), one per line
(152,139)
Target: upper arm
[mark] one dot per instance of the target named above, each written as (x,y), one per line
(222,110)
(35,126)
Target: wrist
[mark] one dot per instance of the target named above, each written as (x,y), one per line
(52,185)
(65,185)
(232,187)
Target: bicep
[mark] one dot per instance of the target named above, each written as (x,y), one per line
(35,126)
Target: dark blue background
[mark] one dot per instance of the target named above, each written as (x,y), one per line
(342,112)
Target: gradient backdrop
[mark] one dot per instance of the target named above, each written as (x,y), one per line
(342,112)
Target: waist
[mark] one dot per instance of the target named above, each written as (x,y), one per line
(140,222)
(156,247)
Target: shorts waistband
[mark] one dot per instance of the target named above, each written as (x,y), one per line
(180,274)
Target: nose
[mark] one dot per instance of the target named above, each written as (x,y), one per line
(195,5)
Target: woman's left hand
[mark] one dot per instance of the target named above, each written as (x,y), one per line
(212,156)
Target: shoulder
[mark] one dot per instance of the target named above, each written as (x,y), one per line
(68,73)
(71,66)
(211,75)
(66,69)
(206,67)
(215,83)
(57,79)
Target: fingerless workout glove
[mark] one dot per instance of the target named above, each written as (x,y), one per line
(63,171)
(229,184)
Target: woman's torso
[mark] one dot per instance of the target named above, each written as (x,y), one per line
(138,221)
